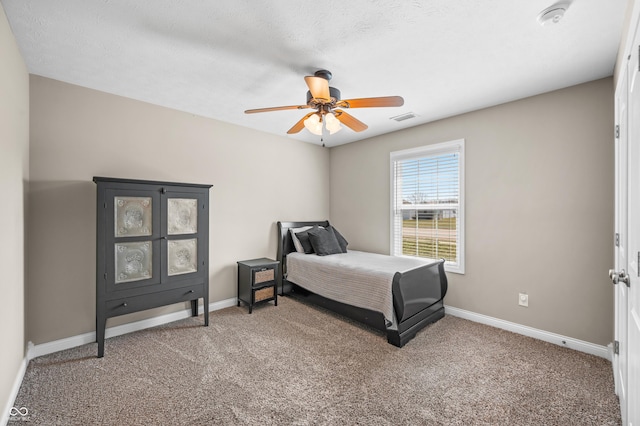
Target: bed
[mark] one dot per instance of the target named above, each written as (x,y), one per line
(396,295)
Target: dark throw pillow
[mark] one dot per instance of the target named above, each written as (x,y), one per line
(341,240)
(324,241)
(303,237)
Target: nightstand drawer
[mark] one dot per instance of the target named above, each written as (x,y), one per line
(264,294)
(263,275)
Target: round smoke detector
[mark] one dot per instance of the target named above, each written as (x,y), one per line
(553,14)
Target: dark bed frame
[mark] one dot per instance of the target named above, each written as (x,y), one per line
(417,294)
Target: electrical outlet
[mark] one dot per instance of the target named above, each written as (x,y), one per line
(523,299)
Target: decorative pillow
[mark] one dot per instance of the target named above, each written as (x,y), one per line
(303,237)
(296,242)
(341,240)
(324,241)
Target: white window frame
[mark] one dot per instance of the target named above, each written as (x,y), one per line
(428,151)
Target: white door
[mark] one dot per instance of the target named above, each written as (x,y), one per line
(620,289)
(633,229)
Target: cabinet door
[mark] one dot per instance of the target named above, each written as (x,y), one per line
(184,222)
(132,237)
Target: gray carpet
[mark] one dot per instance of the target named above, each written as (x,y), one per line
(295,364)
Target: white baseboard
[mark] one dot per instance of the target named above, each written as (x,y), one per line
(34,351)
(4,417)
(567,342)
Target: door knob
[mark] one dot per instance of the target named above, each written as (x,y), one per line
(616,277)
(624,277)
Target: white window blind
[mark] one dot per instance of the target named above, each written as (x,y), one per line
(428,203)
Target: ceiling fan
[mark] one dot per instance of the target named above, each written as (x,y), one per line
(325,101)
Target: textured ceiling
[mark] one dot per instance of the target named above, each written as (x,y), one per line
(218,58)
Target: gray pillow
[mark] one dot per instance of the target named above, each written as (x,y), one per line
(324,241)
(341,240)
(303,237)
(296,242)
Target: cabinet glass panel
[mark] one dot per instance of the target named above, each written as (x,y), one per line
(133,216)
(182,216)
(182,256)
(133,261)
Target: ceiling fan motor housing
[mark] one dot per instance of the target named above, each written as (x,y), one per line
(326,74)
(333,92)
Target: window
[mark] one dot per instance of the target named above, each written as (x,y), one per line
(427,203)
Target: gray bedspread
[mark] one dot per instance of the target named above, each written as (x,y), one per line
(357,278)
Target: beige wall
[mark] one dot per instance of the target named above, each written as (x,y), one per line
(14,177)
(546,161)
(539,207)
(78,133)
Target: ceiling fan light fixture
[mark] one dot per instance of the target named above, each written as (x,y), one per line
(333,125)
(314,124)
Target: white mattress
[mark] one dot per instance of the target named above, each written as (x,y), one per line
(357,278)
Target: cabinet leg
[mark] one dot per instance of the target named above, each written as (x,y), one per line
(250,308)
(101,324)
(205,308)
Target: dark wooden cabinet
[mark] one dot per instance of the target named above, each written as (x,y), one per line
(257,281)
(152,247)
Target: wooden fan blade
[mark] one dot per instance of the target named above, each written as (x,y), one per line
(350,121)
(300,124)
(280,108)
(384,101)
(318,86)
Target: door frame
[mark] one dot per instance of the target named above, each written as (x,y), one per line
(621,211)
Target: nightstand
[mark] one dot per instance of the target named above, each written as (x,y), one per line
(257,281)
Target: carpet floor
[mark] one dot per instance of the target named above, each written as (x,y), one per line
(296,364)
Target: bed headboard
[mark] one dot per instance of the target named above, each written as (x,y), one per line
(285,244)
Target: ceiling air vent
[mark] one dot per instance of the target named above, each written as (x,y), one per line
(403,117)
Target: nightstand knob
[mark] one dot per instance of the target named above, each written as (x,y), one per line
(190,291)
(124,304)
